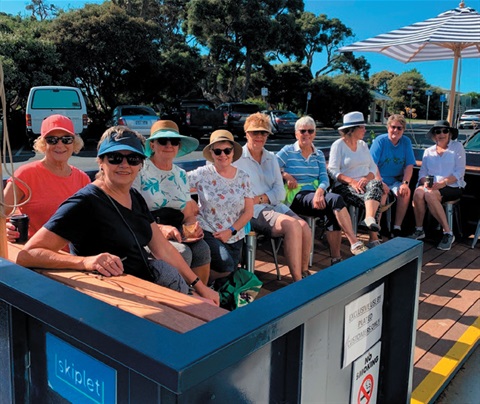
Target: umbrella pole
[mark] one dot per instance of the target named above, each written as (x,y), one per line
(3,219)
(451,104)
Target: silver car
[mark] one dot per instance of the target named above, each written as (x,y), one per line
(137,117)
(470,119)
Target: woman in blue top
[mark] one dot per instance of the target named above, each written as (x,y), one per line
(304,171)
(445,161)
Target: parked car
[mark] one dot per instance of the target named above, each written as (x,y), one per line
(137,117)
(196,117)
(470,119)
(237,112)
(283,122)
(44,101)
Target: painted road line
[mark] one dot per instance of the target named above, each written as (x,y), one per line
(444,370)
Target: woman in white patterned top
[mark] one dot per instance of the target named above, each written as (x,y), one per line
(225,201)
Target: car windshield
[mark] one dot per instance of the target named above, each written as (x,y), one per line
(286,115)
(138,111)
(474,143)
(245,109)
(472,112)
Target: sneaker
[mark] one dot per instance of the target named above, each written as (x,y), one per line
(373,244)
(358,248)
(417,235)
(335,261)
(396,233)
(306,273)
(446,243)
(371,224)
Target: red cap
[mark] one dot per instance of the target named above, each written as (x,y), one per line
(54,122)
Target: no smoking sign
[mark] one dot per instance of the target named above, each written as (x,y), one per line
(365,376)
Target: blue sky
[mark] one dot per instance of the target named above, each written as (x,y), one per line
(366,18)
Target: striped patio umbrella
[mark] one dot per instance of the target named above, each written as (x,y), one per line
(453,34)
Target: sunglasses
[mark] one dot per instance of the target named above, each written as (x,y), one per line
(444,131)
(218,152)
(396,127)
(54,139)
(258,133)
(163,141)
(117,158)
(309,131)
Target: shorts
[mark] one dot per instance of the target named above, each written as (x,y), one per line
(267,218)
(450,193)
(195,254)
(166,275)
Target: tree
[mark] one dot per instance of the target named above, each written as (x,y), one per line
(399,88)
(380,81)
(41,9)
(238,35)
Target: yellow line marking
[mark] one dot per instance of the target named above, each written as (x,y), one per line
(437,377)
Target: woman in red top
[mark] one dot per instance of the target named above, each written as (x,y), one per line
(38,188)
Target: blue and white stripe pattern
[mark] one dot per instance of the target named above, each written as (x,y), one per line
(454,31)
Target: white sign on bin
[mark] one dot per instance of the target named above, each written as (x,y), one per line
(264,91)
(365,376)
(363,324)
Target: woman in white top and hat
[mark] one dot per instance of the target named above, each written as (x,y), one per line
(166,189)
(354,172)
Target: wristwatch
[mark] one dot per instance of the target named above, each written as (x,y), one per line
(260,198)
(232,229)
(405,182)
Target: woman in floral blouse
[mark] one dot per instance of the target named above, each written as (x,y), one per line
(225,201)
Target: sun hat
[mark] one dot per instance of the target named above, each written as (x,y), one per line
(352,119)
(169,129)
(57,122)
(222,135)
(128,141)
(258,124)
(443,124)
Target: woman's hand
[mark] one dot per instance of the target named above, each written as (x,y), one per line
(170,232)
(223,235)
(106,264)
(356,185)
(290,180)
(208,293)
(319,199)
(12,233)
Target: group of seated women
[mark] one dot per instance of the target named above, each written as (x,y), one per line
(138,216)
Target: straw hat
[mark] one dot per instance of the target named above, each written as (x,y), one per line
(352,119)
(441,125)
(222,136)
(169,129)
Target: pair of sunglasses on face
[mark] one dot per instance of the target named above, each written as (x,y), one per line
(309,131)
(53,140)
(227,151)
(444,131)
(396,127)
(164,140)
(117,158)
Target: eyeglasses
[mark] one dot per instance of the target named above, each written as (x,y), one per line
(310,131)
(54,139)
(218,152)
(396,127)
(164,140)
(117,158)
(258,133)
(444,131)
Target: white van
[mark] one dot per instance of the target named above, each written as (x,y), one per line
(44,101)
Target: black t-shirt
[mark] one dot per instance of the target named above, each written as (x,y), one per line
(92,225)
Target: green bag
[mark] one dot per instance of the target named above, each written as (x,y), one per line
(241,287)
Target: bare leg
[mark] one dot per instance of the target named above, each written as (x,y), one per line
(292,232)
(306,244)
(419,207)
(402,206)
(334,239)
(345,222)
(203,272)
(371,207)
(433,200)
(216,275)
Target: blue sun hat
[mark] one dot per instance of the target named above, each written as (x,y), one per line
(122,140)
(169,129)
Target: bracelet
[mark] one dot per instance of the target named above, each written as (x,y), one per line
(191,286)
(260,198)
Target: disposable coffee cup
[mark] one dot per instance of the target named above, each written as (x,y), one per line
(429,181)
(21,224)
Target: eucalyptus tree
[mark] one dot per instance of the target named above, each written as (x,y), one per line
(238,36)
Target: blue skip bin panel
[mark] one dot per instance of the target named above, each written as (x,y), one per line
(77,376)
